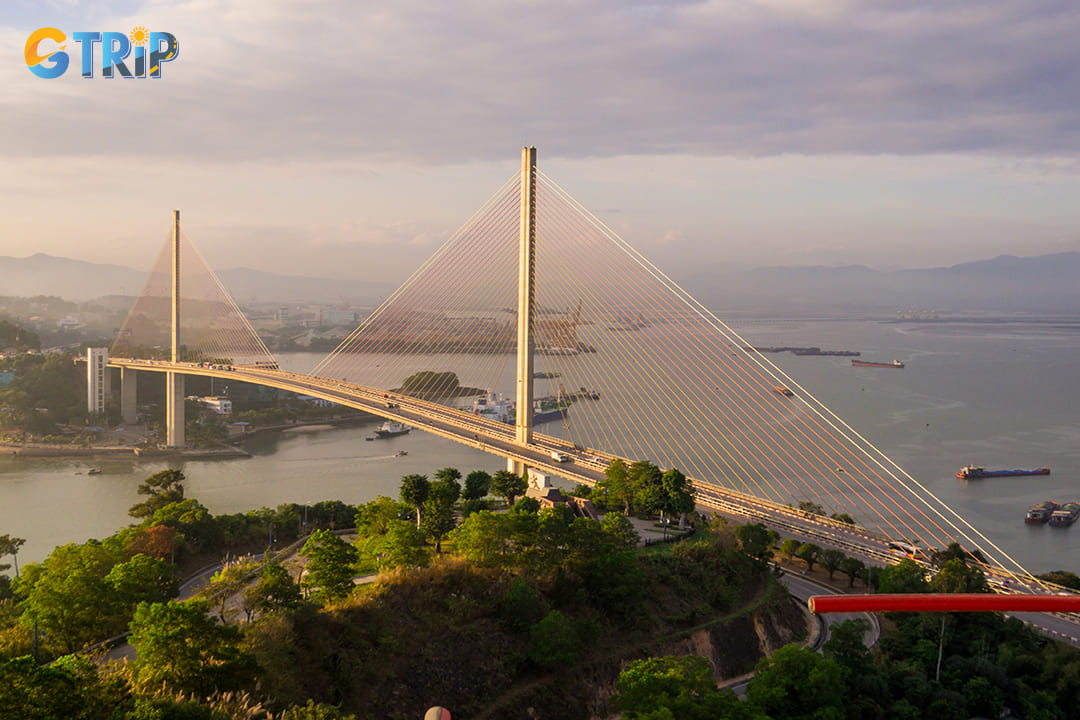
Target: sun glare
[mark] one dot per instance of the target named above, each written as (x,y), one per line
(139,36)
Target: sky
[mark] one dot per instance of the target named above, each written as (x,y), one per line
(349,139)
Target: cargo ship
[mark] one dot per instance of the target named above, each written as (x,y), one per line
(972,472)
(1041,512)
(1066,516)
(494,407)
(867,363)
(391,428)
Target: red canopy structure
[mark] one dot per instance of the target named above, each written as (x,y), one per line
(943,602)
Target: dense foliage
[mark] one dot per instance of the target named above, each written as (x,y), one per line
(48,391)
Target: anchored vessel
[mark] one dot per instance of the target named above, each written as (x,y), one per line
(1041,512)
(867,363)
(973,472)
(391,428)
(496,408)
(1066,515)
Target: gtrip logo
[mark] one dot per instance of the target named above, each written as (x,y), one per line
(115,48)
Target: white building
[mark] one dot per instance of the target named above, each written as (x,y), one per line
(97,380)
(219,404)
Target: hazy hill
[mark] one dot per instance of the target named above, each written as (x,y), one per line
(1007,283)
(79,280)
(1046,283)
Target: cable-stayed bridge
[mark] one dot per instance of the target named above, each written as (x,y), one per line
(629,364)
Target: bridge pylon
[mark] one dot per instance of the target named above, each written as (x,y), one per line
(174,382)
(523,424)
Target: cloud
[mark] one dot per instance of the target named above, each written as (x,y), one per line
(456,82)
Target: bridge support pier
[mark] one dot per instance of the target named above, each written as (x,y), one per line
(128,398)
(523,429)
(174,409)
(174,382)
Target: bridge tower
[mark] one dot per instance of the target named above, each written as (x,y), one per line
(523,429)
(174,382)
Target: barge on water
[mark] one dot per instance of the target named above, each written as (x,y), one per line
(867,363)
(1066,516)
(1041,512)
(973,472)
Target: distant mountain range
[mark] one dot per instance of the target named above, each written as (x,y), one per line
(1045,283)
(79,280)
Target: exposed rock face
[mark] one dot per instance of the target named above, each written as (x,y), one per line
(735,647)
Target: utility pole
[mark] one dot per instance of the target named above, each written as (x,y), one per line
(523,424)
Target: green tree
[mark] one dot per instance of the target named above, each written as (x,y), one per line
(226,582)
(1059,577)
(853,568)
(414,493)
(757,541)
(809,554)
(276,591)
(196,528)
(830,560)
(10,546)
(401,545)
(846,646)
(374,518)
(483,539)
(616,486)
(675,687)
(677,495)
(142,579)
(181,648)
(843,518)
(508,485)
(620,530)
(477,485)
(439,516)
(68,596)
(789,548)
(449,474)
(907,576)
(554,641)
(164,488)
(69,689)
(797,684)
(329,569)
(956,577)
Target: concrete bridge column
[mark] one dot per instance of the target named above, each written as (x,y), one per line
(523,428)
(128,399)
(174,409)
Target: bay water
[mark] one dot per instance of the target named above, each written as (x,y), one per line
(997,393)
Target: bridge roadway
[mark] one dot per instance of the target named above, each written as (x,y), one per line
(585,466)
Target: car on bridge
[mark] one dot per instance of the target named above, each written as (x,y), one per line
(559,456)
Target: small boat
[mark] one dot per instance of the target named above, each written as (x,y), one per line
(93,471)
(401,453)
(781,390)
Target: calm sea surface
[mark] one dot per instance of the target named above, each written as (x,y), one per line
(994,394)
